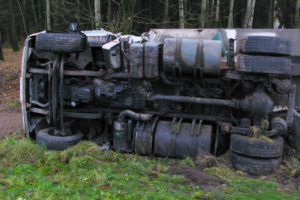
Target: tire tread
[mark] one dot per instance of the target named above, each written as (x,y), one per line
(264,45)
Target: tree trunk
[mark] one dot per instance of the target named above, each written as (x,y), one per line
(211,13)
(166,11)
(48,14)
(203,13)
(271,14)
(23,17)
(1,52)
(297,13)
(249,14)
(181,14)
(97,5)
(109,11)
(41,10)
(13,28)
(37,27)
(252,13)
(217,12)
(230,17)
(78,7)
(91,14)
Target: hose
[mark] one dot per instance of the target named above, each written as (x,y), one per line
(279,127)
(40,104)
(134,115)
(166,81)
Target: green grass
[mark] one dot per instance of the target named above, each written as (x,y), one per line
(28,171)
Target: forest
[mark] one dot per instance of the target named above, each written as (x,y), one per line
(20,18)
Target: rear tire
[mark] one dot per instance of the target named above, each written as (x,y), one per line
(263,64)
(60,42)
(52,142)
(255,147)
(255,156)
(264,45)
(254,166)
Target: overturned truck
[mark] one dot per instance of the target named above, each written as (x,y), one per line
(168,93)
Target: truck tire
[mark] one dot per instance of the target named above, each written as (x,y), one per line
(254,166)
(60,42)
(263,64)
(52,142)
(294,136)
(255,147)
(264,45)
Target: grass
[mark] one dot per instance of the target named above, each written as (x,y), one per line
(240,187)
(29,171)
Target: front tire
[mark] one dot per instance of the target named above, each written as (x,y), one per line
(59,143)
(60,42)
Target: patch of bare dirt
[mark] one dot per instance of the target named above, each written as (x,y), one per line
(287,176)
(10,122)
(9,81)
(196,177)
(207,160)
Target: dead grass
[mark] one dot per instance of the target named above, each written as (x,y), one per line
(9,80)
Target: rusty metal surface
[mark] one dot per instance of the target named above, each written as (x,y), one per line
(68,72)
(290,112)
(151,55)
(136,60)
(112,54)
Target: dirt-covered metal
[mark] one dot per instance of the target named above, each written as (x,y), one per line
(173,93)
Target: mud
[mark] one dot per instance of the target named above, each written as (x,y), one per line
(196,177)
(287,176)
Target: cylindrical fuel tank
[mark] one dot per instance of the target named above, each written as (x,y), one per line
(179,140)
(191,57)
(120,136)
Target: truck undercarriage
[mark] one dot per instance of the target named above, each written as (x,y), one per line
(169,93)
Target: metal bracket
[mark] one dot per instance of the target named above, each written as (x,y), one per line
(230,54)
(290,112)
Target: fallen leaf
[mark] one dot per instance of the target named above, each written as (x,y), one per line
(143,182)
(105,186)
